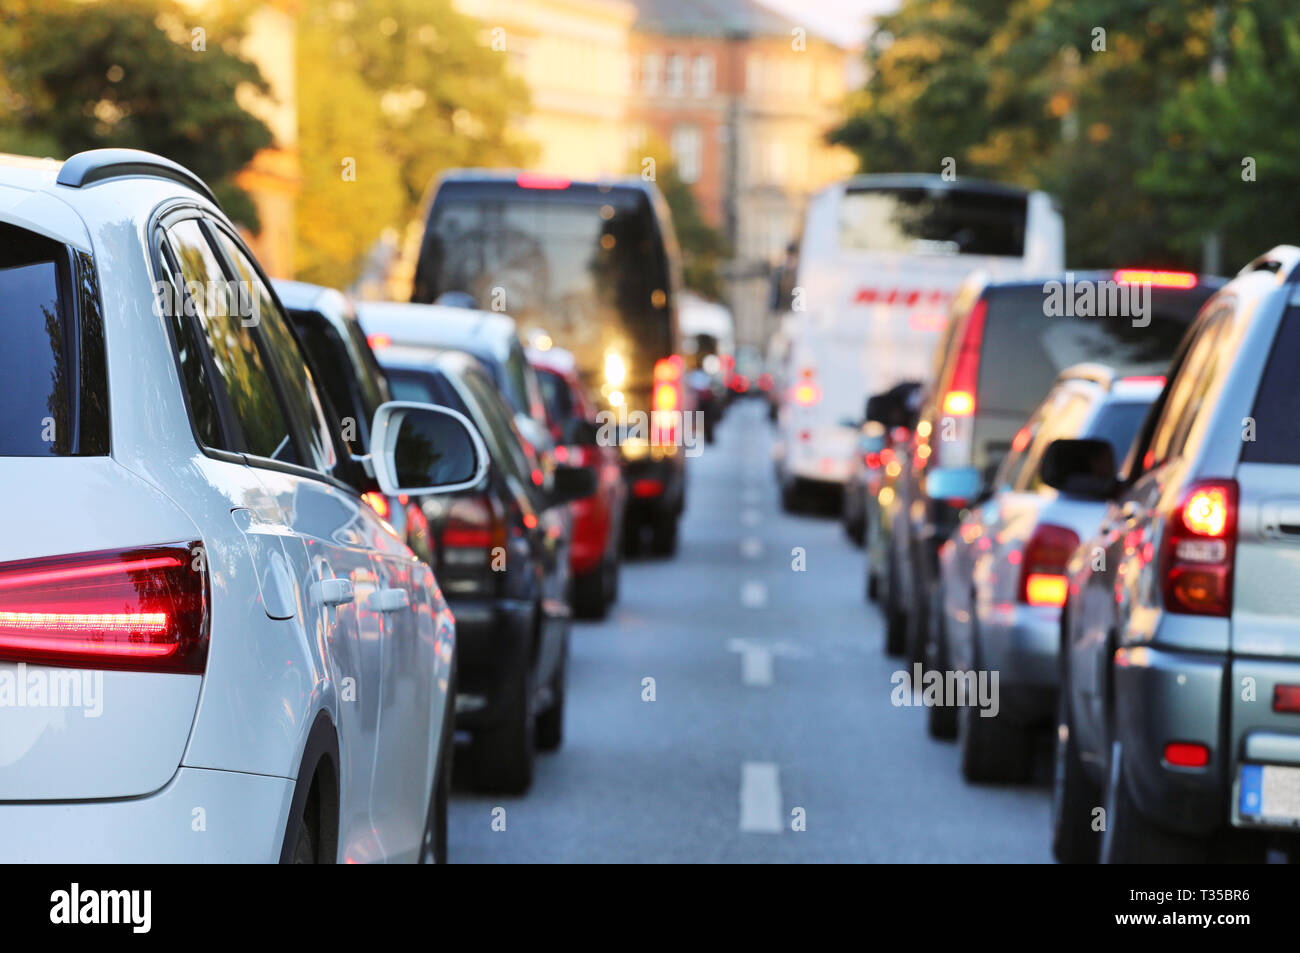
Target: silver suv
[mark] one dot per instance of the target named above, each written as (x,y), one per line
(1180,701)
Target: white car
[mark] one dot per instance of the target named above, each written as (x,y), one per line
(211,649)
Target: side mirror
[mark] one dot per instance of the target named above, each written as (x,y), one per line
(1080,467)
(571,483)
(954,484)
(580,433)
(879,409)
(420,449)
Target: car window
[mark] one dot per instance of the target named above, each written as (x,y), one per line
(1118,424)
(236,356)
(1011,471)
(299,389)
(1198,372)
(497,416)
(1063,421)
(199,389)
(1276,414)
(329,358)
(557,396)
(40,388)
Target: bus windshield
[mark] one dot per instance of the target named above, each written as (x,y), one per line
(920,221)
(585,263)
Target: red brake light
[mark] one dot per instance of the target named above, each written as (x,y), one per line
(378,342)
(1157,279)
(645,488)
(872,460)
(138,609)
(1200,543)
(666,400)
(959,400)
(1182,754)
(1286,698)
(535,180)
(472,523)
(1042,569)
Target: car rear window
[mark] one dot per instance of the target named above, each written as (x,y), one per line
(933,221)
(53,384)
(1118,424)
(1023,349)
(556,395)
(1277,402)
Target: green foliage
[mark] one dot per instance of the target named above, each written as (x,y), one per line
(90,75)
(703,247)
(406,90)
(1136,132)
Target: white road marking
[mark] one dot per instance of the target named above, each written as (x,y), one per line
(755,663)
(760,797)
(753,594)
(751,547)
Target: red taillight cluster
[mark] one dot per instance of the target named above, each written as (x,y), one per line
(471,529)
(136,609)
(667,400)
(1199,549)
(959,399)
(1042,567)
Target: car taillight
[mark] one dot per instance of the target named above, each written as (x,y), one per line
(959,400)
(377,502)
(872,460)
(1157,279)
(646,488)
(472,528)
(807,394)
(143,609)
(378,342)
(579,455)
(1042,568)
(1199,548)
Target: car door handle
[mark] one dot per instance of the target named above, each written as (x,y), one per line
(389,600)
(332,592)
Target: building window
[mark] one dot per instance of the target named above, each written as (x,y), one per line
(650,64)
(702,76)
(687,153)
(676,75)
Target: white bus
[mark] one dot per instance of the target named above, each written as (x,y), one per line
(865,292)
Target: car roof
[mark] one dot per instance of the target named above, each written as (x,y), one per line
(932,181)
(405,357)
(64,201)
(438,326)
(329,303)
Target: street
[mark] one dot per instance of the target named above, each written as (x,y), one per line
(771,705)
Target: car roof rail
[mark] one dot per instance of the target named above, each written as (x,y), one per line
(1283,261)
(1089,371)
(101,165)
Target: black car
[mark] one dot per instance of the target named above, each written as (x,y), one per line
(501,553)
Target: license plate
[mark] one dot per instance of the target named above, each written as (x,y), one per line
(1270,793)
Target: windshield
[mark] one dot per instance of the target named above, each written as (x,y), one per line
(917,221)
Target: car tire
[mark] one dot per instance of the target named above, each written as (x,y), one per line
(856,530)
(502,754)
(791,498)
(663,534)
(916,619)
(433,845)
(1130,838)
(941,720)
(1074,795)
(550,723)
(994,750)
(304,848)
(895,621)
(591,592)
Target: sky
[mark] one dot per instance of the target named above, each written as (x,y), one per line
(843,21)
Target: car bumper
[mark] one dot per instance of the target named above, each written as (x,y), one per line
(642,476)
(1021,643)
(493,638)
(200,816)
(1163,696)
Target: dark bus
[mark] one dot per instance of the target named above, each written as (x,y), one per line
(594,266)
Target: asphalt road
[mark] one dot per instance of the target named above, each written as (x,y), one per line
(771,707)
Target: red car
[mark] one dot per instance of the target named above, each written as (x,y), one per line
(597,519)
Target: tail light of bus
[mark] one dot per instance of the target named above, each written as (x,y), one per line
(1199,550)
(143,609)
(806,393)
(667,400)
(1042,567)
(959,399)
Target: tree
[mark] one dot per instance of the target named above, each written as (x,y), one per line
(127,73)
(703,247)
(405,89)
